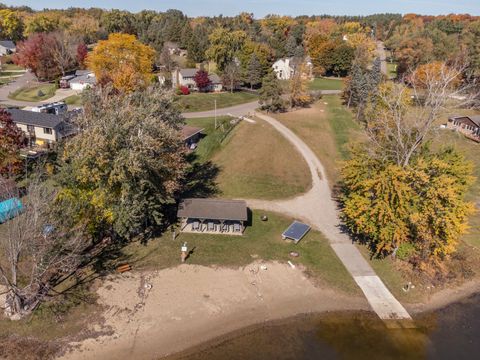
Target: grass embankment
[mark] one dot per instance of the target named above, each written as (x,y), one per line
(206,101)
(326,84)
(35,93)
(259,163)
(255,161)
(74,100)
(262,240)
(327,128)
(215,138)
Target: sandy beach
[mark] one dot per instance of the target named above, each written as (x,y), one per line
(152,315)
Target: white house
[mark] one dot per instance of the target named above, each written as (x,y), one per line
(84,79)
(7,47)
(42,129)
(285,68)
(186,77)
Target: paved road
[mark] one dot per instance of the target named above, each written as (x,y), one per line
(240,110)
(317,208)
(28,79)
(383,57)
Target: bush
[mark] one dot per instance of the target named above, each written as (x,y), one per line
(182,90)
(405,251)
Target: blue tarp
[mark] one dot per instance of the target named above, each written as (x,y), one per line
(9,209)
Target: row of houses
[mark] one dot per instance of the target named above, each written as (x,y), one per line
(284,68)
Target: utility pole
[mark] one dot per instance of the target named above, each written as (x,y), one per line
(215,113)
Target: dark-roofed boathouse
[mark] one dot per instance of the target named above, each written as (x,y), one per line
(213,216)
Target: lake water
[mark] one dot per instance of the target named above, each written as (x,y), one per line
(450,333)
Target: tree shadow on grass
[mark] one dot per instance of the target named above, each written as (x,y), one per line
(200,180)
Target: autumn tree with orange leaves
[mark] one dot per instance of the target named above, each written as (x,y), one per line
(122,60)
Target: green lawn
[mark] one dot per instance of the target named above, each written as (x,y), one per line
(6,67)
(10,73)
(327,128)
(326,84)
(262,240)
(259,163)
(74,100)
(206,101)
(248,166)
(32,93)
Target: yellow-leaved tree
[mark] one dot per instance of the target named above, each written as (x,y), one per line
(122,60)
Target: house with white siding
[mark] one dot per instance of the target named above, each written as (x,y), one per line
(285,68)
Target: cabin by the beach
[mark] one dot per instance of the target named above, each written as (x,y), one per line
(213,216)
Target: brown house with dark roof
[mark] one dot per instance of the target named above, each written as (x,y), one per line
(213,216)
(467,125)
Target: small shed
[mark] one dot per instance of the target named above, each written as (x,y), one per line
(191,135)
(214,216)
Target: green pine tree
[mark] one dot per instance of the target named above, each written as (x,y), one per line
(271,93)
(255,71)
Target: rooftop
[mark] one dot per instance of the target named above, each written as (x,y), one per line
(84,79)
(35,118)
(474,118)
(213,209)
(189,131)
(188,72)
(83,72)
(214,78)
(7,44)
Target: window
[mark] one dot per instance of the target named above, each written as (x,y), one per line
(30,128)
(47,131)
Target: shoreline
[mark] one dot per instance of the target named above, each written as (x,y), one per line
(171,313)
(190,305)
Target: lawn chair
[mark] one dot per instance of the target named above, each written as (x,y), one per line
(224,228)
(211,226)
(196,226)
